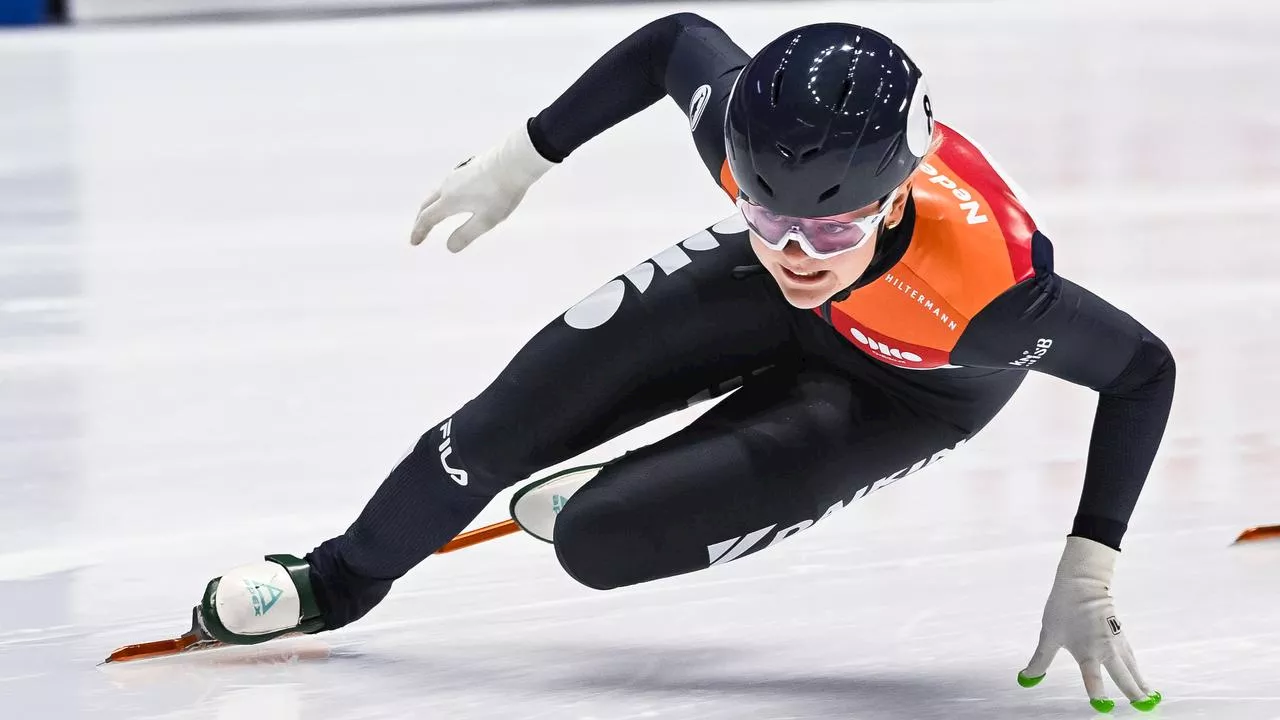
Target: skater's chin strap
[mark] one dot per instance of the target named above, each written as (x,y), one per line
(742,272)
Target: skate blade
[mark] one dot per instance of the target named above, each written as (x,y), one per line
(479,535)
(194,639)
(1262,532)
(160,648)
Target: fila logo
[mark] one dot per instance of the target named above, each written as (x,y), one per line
(697,105)
(966,200)
(734,548)
(882,349)
(1114,624)
(446,449)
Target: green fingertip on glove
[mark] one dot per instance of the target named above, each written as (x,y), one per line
(1028,682)
(1102,705)
(1150,703)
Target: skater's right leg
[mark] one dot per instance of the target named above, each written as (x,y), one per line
(677,328)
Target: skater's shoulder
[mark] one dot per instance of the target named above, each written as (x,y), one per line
(973,235)
(961,192)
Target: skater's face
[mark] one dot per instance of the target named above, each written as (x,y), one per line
(807,282)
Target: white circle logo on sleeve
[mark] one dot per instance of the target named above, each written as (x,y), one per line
(697,105)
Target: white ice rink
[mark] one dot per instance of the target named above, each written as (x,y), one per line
(215,340)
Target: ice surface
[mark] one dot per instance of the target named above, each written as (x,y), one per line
(215,340)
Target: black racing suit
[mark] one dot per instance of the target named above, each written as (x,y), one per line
(811,423)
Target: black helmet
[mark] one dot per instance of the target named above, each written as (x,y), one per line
(826,119)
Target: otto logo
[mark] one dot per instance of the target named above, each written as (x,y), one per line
(967,203)
(881,349)
(1031,357)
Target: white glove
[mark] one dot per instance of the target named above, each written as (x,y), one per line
(488,186)
(1080,616)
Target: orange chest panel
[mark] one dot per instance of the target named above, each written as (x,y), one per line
(970,243)
(902,320)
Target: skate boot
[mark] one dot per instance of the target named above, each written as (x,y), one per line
(254,603)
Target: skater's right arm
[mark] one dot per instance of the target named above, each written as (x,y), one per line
(682,56)
(674,56)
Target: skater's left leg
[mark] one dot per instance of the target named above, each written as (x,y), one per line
(688,332)
(643,346)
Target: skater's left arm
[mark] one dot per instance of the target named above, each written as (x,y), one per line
(682,56)
(1051,325)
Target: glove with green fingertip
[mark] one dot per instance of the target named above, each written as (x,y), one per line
(1080,617)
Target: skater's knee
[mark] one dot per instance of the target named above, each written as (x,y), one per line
(599,545)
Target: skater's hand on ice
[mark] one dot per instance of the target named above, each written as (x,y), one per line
(488,186)
(1080,617)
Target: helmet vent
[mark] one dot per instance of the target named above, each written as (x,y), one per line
(894,148)
(784,151)
(846,91)
(830,193)
(764,185)
(775,89)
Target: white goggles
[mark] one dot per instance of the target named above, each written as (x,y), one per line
(820,238)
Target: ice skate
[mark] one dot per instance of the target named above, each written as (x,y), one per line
(246,605)
(260,601)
